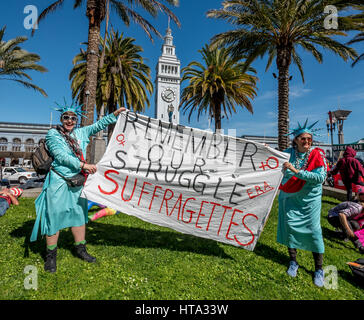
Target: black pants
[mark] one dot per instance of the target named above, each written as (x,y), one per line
(317,257)
(349,189)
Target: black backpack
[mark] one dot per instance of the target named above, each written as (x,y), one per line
(42,159)
(357,268)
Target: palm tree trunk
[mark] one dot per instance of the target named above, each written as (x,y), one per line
(105,37)
(217,116)
(111,127)
(95,13)
(283,62)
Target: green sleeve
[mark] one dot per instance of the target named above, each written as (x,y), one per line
(317,175)
(99,125)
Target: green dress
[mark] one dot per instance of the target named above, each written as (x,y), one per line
(299,215)
(59,206)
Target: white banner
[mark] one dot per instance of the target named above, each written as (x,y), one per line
(197,182)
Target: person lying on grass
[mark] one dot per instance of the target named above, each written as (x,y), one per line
(7,198)
(348,216)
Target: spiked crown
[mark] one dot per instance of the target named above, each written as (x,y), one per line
(304,129)
(70,108)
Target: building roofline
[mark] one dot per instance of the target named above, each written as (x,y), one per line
(26,123)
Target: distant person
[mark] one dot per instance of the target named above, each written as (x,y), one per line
(59,205)
(348,216)
(350,170)
(299,225)
(9,197)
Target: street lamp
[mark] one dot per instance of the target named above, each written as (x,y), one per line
(87,95)
(340,116)
(330,124)
(170,112)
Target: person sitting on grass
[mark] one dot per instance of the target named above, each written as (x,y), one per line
(7,198)
(348,216)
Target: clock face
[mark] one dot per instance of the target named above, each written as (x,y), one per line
(168,95)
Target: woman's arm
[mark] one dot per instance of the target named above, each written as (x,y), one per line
(13,199)
(345,225)
(318,175)
(103,123)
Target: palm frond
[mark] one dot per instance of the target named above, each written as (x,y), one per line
(28,85)
(53,7)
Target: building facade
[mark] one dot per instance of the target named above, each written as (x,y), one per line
(18,141)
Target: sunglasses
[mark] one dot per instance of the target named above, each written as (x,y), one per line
(73,118)
(304,139)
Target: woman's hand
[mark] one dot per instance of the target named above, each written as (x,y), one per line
(288,165)
(89,168)
(118,111)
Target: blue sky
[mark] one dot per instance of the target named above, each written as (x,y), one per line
(328,86)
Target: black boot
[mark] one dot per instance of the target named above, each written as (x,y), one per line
(50,264)
(81,252)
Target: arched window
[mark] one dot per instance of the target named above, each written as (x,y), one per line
(16,144)
(3,144)
(29,145)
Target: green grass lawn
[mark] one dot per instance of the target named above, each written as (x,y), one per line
(137,260)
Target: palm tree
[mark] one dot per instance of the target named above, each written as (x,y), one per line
(218,86)
(359,19)
(15,62)
(123,80)
(96,12)
(278,28)
(358,38)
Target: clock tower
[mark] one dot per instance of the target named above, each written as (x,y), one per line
(168,82)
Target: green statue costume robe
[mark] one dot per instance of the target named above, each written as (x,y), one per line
(59,206)
(299,212)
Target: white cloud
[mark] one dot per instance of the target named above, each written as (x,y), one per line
(298,91)
(295,91)
(259,128)
(267,95)
(350,97)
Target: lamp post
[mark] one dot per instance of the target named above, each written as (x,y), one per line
(340,116)
(87,95)
(330,124)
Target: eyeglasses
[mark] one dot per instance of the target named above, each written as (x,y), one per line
(304,139)
(73,118)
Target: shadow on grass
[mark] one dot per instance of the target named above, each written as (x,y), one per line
(336,238)
(349,277)
(274,255)
(116,235)
(331,203)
